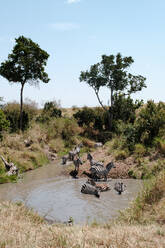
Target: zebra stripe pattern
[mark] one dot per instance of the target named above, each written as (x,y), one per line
(101,172)
(89,189)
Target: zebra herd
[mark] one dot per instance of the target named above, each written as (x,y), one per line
(97,172)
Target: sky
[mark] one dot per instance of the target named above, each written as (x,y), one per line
(76,33)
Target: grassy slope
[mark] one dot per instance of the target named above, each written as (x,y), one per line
(20,227)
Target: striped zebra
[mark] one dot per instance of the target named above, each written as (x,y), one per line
(77,162)
(93,162)
(101,187)
(100,171)
(74,152)
(90,189)
(119,187)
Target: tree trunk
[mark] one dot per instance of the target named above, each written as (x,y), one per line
(21,105)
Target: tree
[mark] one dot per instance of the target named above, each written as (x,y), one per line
(25,65)
(112,73)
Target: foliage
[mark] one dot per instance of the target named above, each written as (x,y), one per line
(140,150)
(50,110)
(12,113)
(85,116)
(150,120)
(25,65)
(65,128)
(112,72)
(4,123)
(91,117)
(121,155)
(124,108)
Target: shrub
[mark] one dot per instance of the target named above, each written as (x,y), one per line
(92,117)
(50,111)
(12,112)
(85,116)
(160,145)
(140,150)
(124,108)
(150,120)
(4,124)
(120,155)
(65,128)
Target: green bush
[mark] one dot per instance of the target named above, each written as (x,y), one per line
(50,110)
(124,108)
(121,155)
(140,150)
(64,128)
(4,124)
(12,112)
(150,120)
(85,116)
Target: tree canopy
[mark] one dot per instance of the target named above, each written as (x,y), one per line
(26,64)
(112,72)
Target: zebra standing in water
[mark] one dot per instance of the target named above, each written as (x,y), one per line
(77,162)
(93,162)
(100,171)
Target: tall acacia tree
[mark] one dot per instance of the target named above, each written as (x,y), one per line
(25,65)
(112,72)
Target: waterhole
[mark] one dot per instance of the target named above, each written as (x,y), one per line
(58,197)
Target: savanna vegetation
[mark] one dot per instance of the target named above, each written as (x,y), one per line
(130,131)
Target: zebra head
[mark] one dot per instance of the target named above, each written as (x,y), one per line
(110,165)
(89,157)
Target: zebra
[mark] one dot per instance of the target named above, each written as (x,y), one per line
(71,155)
(90,189)
(119,187)
(75,152)
(101,187)
(93,162)
(77,162)
(100,171)
(64,159)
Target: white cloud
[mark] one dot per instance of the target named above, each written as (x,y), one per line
(73,1)
(65,26)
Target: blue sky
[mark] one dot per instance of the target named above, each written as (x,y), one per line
(76,33)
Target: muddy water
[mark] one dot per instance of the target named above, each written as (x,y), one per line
(58,197)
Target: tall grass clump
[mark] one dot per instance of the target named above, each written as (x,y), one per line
(152,192)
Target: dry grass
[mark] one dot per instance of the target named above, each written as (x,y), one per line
(20,227)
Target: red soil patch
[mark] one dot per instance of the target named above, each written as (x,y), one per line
(100,154)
